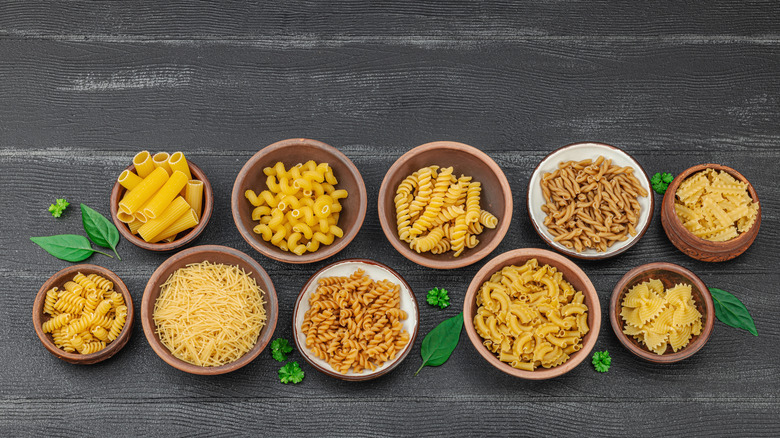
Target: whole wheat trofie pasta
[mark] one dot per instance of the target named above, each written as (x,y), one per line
(591,204)
(355,322)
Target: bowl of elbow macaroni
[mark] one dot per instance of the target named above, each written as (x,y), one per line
(532,314)
(299,201)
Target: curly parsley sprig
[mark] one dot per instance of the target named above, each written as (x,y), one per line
(291,373)
(438,297)
(601,361)
(661,181)
(58,207)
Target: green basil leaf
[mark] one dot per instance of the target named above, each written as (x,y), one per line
(69,247)
(730,311)
(99,229)
(440,342)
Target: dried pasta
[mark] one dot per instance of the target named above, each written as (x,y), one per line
(299,210)
(530,316)
(209,314)
(82,320)
(591,204)
(355,322)
(713,205)
(437,212)
(661,318)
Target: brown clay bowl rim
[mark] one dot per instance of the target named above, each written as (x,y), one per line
(470,256)
(208,207)
(175,261)
(59,279)
(324,251)
(591,254)
(366,375)
(617,324)
(708,245)
(519,256)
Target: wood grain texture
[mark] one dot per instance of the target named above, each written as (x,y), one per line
(84,85)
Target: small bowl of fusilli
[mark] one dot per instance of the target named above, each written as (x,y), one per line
(83,314)
(445,205)
(355,319)
(299,201)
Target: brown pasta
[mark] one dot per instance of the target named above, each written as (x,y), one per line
(591,204)
(355,322)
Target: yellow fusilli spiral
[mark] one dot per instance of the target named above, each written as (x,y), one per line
(56,322)
(51,298)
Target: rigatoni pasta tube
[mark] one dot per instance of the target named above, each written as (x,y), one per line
(165,195)
(125,217)
(160,159)
(153,227)
(134,226)
(177,161)
(193,194)
(185,222)
(129,180)
(143,164)
(144,191)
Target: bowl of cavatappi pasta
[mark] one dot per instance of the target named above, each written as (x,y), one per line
(445,205)
(299,201)
(162,201)
(532,313)
(590,200)
(83,314)
(209,310)
(661,312)
(711,213)
(355,319)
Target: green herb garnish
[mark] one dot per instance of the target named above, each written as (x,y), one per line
(661,181)
(58,207)
(291,373)
(99,229)
(440,342)
(68,247)
(730,311)
(279,349)
(438,297)
(601,361)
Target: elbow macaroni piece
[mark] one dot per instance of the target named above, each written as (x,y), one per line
(300,208)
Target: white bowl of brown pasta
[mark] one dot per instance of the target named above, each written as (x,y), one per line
(355,319)
(590,200)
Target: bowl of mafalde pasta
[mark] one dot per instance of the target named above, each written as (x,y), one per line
(299,201)
(355,319)
(532,313)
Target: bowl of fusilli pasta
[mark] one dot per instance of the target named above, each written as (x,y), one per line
(299,201)
(83,314)
(445,205)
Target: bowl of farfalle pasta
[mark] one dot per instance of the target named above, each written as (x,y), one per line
(445,205)
(299,201)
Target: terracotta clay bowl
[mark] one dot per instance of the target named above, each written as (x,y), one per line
(496,197)
(184,238)
(583,151)
(670,274)
(345,268)
(291,152)
(571,273)
(694,246)
(214,254)
(58,280)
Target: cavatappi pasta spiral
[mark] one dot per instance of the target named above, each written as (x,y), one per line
(81,319)
(355,322)
(530,317)
(437,212)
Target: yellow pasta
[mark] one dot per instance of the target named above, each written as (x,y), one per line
(165,195)
(355,322)
(136,198)
(143,164)
(530,316)
(160,160)
(178,161)
(86,323)
(437,212)
(300,208)
(129,180)
(660,318)
(185,222)
(713,205)
(193,194)
(153,227)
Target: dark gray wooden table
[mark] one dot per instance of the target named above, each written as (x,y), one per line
(84,85)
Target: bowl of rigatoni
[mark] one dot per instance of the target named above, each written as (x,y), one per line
(161,202)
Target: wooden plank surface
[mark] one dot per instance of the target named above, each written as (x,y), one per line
(84,85)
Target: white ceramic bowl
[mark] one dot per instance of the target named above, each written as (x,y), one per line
(583,151)
(345,268)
